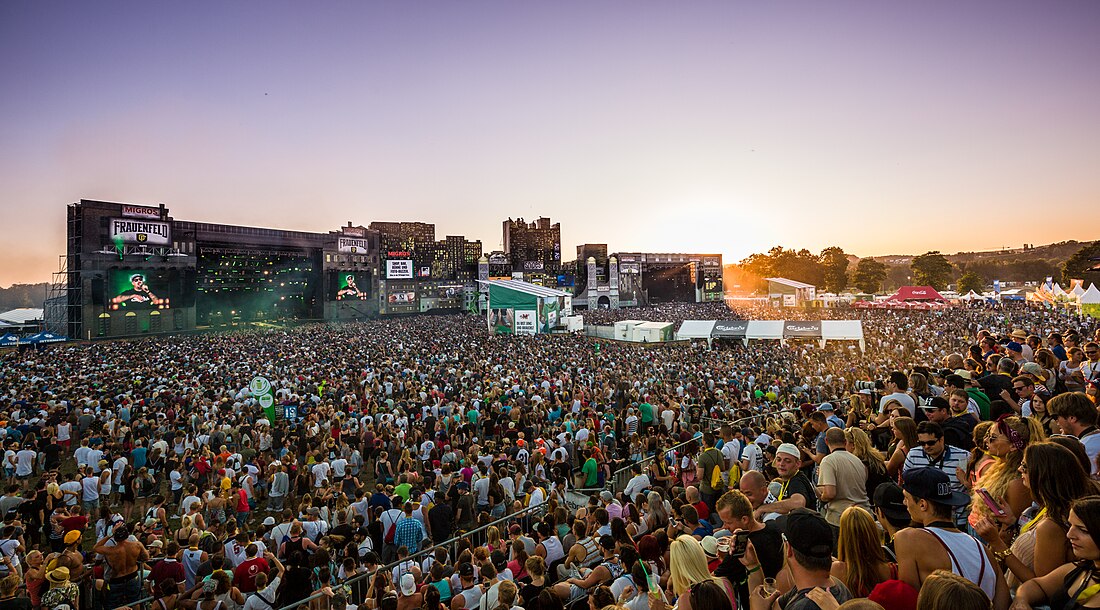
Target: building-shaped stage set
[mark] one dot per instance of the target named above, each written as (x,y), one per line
(134,269)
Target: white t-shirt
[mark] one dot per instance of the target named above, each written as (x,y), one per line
(24,462)
(254,601)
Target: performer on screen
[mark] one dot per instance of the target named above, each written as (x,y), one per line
(351,291)
(138,296)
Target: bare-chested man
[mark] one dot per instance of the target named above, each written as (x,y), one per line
(124,586)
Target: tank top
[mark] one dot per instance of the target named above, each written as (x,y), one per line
(553,548)
(968,558)
(191,561)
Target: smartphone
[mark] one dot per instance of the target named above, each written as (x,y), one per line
(991,503)
(740,544)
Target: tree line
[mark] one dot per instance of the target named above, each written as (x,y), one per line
(831,269)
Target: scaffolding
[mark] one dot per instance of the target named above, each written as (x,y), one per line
(64,307)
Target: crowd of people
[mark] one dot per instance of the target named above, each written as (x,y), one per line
(426,464)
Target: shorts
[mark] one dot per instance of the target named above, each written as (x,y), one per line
(576,593)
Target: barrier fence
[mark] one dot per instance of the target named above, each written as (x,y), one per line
(321,600)
(616,484)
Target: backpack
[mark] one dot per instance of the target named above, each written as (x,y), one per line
(391,531)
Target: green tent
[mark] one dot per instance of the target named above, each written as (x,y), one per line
(517,307)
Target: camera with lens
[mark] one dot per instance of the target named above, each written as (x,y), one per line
(865,385)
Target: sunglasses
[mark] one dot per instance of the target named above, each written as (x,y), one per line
(928,443)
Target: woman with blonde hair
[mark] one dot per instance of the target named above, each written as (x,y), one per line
(1056,478)
(861,564)
(859,445)
(905,438)
(689,574)
(492,539)
(1006,442)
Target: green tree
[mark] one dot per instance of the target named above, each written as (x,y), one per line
(834,266)
(932,269)
(970,281)
(1080,265)
(869,275)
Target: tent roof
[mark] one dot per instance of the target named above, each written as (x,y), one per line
(792,283)
(21,315)
(655,324)
(841,329)
(916,293)
(1090,296)
(695,329)
(524,287)
(765,329)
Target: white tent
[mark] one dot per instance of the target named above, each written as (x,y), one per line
(971,296)
(764,329)
(1057,290)
(842,330)
(1078,290)
(695,329)
(1090,296)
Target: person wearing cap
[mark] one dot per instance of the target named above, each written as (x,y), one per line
(938,544)
(830,415)
(933,451)
(808,551)
(470,595)
(796,490)
(892,514)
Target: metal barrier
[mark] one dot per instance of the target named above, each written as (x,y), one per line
(618,480)
(450,545)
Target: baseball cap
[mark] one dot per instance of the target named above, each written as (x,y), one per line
(933,485)
(156,544)
(72,536)
(808,533)
(1034,368)
(789,449)
(891,500)
(965,374)
(466,569)
(606,496)
(763,439)
(865,392)
(499,559)
(269,520)
(408,585)
(937,402)
(1012,346)
(825,406)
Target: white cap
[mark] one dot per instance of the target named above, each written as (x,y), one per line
(269,521)
(789,449)
(408,585)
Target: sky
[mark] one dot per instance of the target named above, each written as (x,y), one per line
(726,126)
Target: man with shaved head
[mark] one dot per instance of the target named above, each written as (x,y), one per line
(755,487)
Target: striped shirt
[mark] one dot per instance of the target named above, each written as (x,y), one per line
(949,462)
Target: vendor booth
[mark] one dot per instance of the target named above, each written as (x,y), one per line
(516,307)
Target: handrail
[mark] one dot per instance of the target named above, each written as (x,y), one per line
(428,550)
(415,557)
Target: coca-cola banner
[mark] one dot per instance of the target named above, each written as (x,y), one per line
(730,328)
(801,329)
